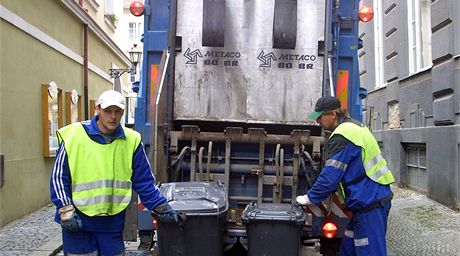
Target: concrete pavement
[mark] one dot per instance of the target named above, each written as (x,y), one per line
(417,226)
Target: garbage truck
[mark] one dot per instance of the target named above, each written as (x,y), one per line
(225,90)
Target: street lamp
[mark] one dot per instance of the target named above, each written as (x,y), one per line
(135,56)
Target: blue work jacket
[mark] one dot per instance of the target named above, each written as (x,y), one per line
(359,195)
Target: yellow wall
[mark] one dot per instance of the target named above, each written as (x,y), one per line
(25,64)
(50,17)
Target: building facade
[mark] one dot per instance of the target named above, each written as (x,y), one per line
(55,61)
(129,34)
(410,64)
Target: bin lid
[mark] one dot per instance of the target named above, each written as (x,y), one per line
(273,212)
(199,198)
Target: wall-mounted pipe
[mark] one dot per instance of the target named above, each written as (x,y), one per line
(2,170)
(85,71)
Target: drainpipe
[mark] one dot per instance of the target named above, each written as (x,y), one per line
(85,70)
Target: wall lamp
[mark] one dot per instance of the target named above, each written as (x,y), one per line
(135,56)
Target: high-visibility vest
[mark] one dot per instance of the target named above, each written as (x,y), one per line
(100,173)
(374,164)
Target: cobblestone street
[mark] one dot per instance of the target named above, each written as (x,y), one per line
(31,234)
(417,226)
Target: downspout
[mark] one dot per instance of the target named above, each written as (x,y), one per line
(85,70)
(85,66)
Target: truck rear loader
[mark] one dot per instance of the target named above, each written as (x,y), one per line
(225,90)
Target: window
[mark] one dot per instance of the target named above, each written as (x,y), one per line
(110,18)
(140,29)
(378,33)
(419,29)
(417,175)
(132,77)
(109,7)
(133,32)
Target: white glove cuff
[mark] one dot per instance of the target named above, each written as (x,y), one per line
(303,200)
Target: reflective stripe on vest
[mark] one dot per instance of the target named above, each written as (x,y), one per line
(101,184)
(100,173)
(374,164)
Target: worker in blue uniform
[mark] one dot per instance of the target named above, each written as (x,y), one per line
(356,169)
(97,165)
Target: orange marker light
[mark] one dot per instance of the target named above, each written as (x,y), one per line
(366,13)
(136,8)
(329,229)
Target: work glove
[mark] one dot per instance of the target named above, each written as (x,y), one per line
(165,213)
(303,200)
(69,219)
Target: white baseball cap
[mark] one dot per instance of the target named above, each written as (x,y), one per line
(111,98)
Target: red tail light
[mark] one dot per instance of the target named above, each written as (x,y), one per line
(136,8)
(329,229)
(154,224)
(366,13)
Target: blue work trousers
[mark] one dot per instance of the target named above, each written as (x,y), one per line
(92,243)
(365,234)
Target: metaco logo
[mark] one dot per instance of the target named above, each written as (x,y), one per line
(213,58)
(297,57)
(289,61)
(215,54)
(266,59)
(192,56)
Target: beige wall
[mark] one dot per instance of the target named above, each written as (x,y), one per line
(25,64)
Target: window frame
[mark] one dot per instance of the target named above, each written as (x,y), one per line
(418,33)
(379,63)
(417,167)
(133,31)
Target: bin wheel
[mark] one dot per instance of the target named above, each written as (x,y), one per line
(146,240)
(330,247)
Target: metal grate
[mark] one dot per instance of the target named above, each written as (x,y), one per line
(417,174)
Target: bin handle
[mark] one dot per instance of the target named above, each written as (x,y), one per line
(182,220)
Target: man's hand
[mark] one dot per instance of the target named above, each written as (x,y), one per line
(165,213)
(303,200)
(69,219)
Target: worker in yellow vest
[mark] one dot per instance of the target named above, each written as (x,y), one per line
(97,165)
(355,168)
